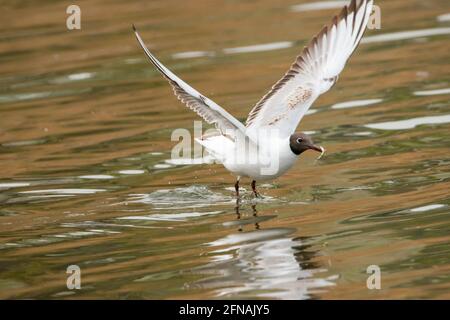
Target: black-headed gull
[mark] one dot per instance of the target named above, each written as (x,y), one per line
(267,145)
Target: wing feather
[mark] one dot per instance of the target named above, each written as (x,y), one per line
(204,107)
(313,72)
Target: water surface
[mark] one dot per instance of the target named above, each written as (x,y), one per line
(86,176)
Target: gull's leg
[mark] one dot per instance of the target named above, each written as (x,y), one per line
(257,195)
(236,187)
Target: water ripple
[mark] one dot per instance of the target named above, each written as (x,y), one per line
(355,103)
(319,5)
(409,123)
(443,17)
(63,191)
(432,92)
(178,198)
(259,47)
(405,35)
(184,216)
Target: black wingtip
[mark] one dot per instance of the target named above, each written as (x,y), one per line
(134,27)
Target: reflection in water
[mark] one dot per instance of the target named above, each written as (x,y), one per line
(238,214)
(97,177)
(244,49)
(192,54)
(262,263)
(132,171)
(355,103)
(386,37)
(405,35)
(432,92)
(8,185)
(428,207)
(409,123)
(319,5)
(73,77)
(259,47)
(444,17)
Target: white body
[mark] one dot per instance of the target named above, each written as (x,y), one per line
(259,164)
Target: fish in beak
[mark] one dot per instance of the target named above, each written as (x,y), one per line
(318,149)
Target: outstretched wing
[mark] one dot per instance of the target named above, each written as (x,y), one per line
(211,112)
(314,72)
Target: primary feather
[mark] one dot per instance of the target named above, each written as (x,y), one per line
(314,72)
(211,112)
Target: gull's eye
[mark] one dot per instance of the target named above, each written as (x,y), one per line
(299,140)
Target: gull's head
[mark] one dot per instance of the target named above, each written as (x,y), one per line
(300,142)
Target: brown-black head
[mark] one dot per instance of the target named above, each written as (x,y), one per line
(300,142)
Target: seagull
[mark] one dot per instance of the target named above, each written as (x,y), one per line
(267,145)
